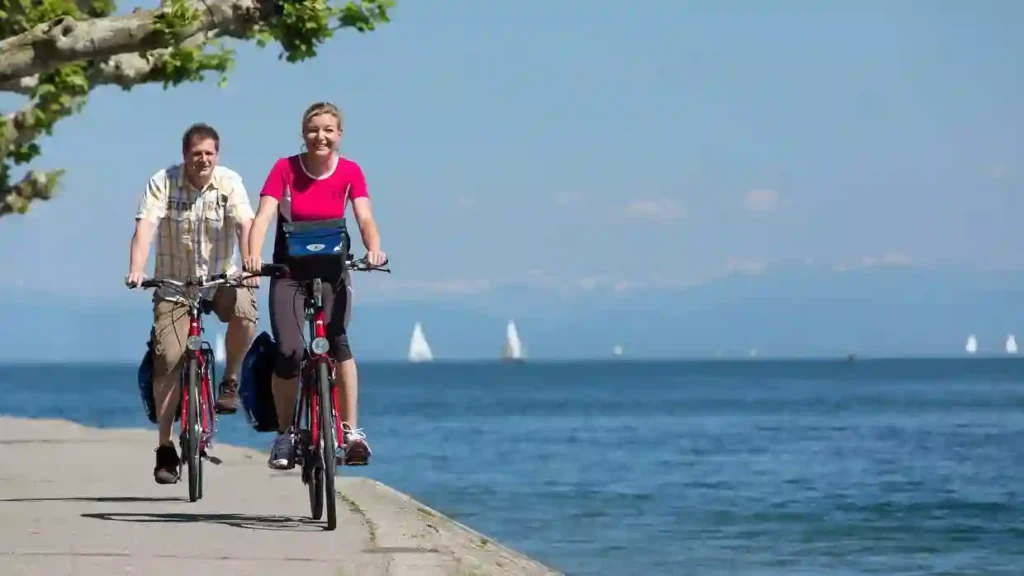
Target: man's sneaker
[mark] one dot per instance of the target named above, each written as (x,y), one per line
(282,451)
(167,465)
(227,399)
(357,449)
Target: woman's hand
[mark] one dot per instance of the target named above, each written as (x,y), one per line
(252,264)
(377,258)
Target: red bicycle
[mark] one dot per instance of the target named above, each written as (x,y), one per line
(198,418)
(316,421)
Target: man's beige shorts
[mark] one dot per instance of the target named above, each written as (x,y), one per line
(170,323)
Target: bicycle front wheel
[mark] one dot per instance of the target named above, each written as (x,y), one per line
(312,472)
(315,483)
(194,434)
(329,442)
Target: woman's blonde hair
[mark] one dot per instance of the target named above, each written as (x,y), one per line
(319,109)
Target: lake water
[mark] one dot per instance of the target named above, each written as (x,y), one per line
(757,467)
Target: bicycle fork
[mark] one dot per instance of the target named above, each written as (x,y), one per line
(311,396)
(194,350)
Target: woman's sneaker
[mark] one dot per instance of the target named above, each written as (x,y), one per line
(282,451)
(357,449)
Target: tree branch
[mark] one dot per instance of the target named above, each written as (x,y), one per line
(65,40)
(18,128)
(56,52)
(124,70)
(36,185)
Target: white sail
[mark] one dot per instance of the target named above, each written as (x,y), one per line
(513,346)
(617,350)
(220,352)
(1011,344)
(972,344)
(419,350)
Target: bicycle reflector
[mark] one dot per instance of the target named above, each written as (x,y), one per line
(194,342)
(320,345)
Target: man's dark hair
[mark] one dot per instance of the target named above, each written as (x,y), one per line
(202,131)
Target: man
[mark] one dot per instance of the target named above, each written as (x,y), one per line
(199,212)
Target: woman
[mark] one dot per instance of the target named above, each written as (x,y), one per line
(313,185)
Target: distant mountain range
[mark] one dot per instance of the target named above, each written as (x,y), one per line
(785,311)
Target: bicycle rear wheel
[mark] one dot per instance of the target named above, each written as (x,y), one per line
(329,443)
(194,434)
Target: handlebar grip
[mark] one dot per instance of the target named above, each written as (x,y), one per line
(274,270)
(366,263)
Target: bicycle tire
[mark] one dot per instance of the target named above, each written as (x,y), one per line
(205,411)
(329,442)
(312,476)
(194,434)
(316,492)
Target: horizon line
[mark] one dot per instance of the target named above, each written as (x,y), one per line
(851,358)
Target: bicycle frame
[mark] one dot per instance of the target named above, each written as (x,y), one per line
(196,348)
(318,351)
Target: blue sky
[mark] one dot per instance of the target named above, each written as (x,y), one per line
(574,143)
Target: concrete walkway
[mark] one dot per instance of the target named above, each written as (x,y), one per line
(81,501)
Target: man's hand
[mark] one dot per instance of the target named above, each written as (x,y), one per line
(376,258)
(252,264)
(141,239)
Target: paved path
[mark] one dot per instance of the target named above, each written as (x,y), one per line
(81,501)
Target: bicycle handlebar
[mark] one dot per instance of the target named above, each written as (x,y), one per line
(272,270)
(181,288)
(364,266)
(360,264)
(215,280)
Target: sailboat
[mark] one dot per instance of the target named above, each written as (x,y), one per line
(220,352)
(419,350)
(513,351)
(972,344)
(617,350)
(1011,344)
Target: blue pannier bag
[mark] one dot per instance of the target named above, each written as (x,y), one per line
(255,386)
(316,248)
(145,380)
(146,383)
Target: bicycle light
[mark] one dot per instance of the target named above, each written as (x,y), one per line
(194,342)
(320,345)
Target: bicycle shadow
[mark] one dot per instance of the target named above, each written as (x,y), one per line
(244,521)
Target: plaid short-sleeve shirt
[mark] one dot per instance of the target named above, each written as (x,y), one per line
(195,228)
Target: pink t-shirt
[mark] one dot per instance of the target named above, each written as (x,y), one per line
(312,198)
(315,198)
